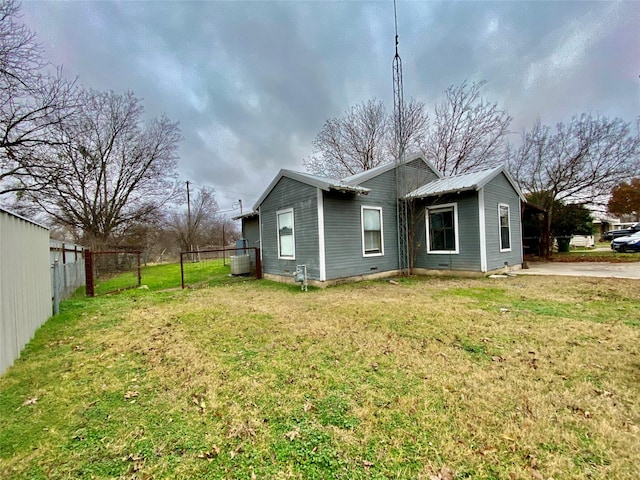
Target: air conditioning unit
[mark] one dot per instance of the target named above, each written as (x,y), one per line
(240,264)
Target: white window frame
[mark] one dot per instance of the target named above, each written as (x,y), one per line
(500,205)
(435,208)
(293,233)
(381,252)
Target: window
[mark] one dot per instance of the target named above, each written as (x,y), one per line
(505,229)
(442,229)
(372,231)
(286,237)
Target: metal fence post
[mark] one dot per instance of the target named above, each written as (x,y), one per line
(88,273)
(182,268)
(56,287)
(258,264)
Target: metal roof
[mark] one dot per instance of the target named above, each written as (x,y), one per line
(245,215)
(323,183)
(462,183)
(13,214)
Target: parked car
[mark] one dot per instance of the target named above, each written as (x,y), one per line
(630,243)
(611,234)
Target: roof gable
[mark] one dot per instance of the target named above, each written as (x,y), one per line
(323,183)
(463,182)
(361,177)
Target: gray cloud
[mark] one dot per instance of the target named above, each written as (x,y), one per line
(251,83)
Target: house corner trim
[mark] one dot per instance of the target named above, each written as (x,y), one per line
(321,247)
(482,231)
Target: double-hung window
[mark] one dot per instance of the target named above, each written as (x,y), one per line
(372,238)
(505,227)
(286,235)
(442,228)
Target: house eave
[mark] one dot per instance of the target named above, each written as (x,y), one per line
(349,189)
(326,184)
(245,215)
(442,192)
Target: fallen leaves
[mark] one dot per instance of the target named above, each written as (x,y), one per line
(445,473)
(30,401)
(210,454)
(308,406)
(129,394)
(138,462)
(293,434)
(580,411)
(198,401)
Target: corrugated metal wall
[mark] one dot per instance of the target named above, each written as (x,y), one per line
(25,284)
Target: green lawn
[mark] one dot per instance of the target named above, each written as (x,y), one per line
(166,276)
(590,255)
(518,378)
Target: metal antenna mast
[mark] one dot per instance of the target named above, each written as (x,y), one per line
(401,184)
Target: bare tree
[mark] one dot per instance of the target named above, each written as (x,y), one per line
(110,170)
(351,144)
(468,132)
(364,138)
(415,129)
(579,162)
(32,102)
(204,217)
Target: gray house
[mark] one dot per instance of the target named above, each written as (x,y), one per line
(347,229)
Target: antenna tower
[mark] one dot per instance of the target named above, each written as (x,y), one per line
(401,184)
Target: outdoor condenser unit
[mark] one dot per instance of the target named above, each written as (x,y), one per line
(240,264)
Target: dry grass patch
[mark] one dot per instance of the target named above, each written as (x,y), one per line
(525,378)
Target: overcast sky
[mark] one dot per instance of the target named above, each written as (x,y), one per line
(251,83)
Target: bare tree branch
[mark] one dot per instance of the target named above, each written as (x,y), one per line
(205,221)
(580,161)
(32,103)
(363,139)
(111,172)
(352,143)
(468,132)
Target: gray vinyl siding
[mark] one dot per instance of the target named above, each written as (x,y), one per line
(416,174)
(468,258)
(343,230)
(251,231)
(498,191)
(302,198)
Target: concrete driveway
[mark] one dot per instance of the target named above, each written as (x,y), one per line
(583,269)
